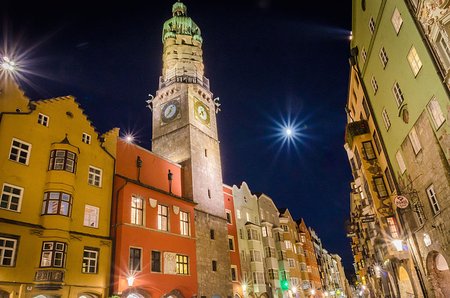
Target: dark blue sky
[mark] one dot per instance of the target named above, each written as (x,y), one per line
(266,60)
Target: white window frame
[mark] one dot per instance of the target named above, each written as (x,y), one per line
(234,268)
(431,194)
(414,139)
(132,270)
(372,25)
(436,112)
(137,212)
(386,120)
(90,262)
(238,213)
(163,218)
(95,176)
(398,94)
(383,57)
(91,216)
(185,223)
(397,20)
(43,119)
(374,84)
(20,150)
(6,248)
(228,213)
(10,195)
(414,61)
(86,138)
(400,162)
(230,237)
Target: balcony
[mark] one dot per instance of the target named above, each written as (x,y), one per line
(183,78)
(354,129)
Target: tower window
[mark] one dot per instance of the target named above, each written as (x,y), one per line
(206,152)
(211,234)
(209,193)
(214,265)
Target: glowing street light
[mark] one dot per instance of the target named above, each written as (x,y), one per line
(129,138)
(130,280)
(398,244)
(294,290)
(313,292)
(8,64)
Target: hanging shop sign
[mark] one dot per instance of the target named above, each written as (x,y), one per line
(401,202)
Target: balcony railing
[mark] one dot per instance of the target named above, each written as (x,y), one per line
(187,79)
(354,129)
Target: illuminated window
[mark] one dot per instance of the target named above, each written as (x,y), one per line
(137,210)
(59,203)
(63,160)
(182,264)
(392,227)
(163,214)
(369,153)
(374,84)
(20,151)
(397,20)
(380,187)
(90,260)
(53,254)
(431,193)
(95,176)
(443,48)
(85,138)
(238,213)
(156,261)
(184,223)
(134,263)
(386,120)
(91,214)
(414,61)
(8,249)
(11,197)
(264,231)
(414,141)
(43,119)
(383,57)
(436,113)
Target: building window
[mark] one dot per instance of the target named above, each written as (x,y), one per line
(255,256)
(182,264)
(374,83)
(285,228)
(8,249)
(363,55)
(95,176)
(134,263)
(264,231)
(380,187)
(20,151)
(184,223)
(414,141)
(273,274)
(11,197)
(383,57)
(63,160)
(252,234)
(91,214)
(288,244)
(43,119)
(388,175)
(156,261)
(400,162)
(211,234)
(214,265)
(436,113)
(163,213)
(281,255)
(397,20)
(377,142)
(414,61)
(234,273)
(419,215)
(53,254)
(228,214)
(270,252)
(431,193)
(371,25)
(231,243)
(291,263)
(443,48)
(238,213)
(85,138)
(398,94)
(258,278)
(387,122)
(57,203)
(366,108)
(90,260)
(137,211)
(392,227)
(369,153)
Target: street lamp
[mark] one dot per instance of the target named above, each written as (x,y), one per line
(130,280)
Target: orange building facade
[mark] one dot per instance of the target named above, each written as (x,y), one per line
(235,262)
(152,227)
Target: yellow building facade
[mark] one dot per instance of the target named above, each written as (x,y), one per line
(56,189)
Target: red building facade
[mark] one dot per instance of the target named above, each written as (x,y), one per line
(152,227)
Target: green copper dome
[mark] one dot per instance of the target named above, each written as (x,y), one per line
(180,23)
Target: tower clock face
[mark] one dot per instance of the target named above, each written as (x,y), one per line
(201,112)
(170,111)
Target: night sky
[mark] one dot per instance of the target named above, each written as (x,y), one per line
(268,61)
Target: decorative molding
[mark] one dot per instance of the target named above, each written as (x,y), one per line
(152,202)
(176,209)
